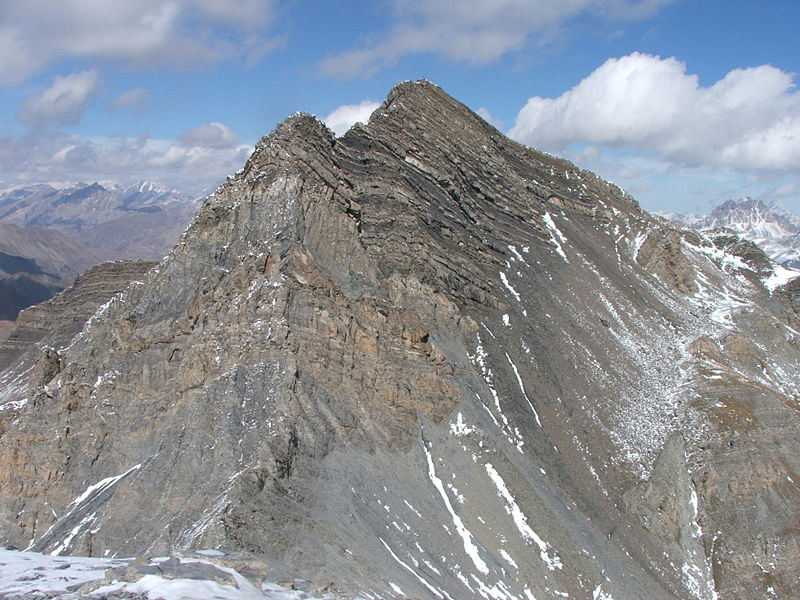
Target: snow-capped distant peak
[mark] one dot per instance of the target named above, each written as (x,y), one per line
(749,217)
(58,185)
(145,187)
(770,225)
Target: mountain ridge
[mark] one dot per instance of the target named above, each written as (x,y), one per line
(424,356)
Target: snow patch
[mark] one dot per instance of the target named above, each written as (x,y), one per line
(103,484)
(521,521)
(522,388)
(508,558)
(556,236)
(80,503)
(599,594)
(408,568)
(466,535)
(35,575)
(504,279)
(780,276)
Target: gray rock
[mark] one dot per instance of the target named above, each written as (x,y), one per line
(55,322)
(424,360)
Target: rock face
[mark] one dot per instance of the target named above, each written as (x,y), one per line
(55,322)
(422,360)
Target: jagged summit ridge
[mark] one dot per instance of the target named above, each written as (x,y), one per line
(422,356)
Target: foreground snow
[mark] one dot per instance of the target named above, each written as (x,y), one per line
(34,575)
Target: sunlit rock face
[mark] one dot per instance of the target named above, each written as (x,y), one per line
(424,360)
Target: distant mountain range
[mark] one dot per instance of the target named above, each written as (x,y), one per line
(110,221)
(49,233)
(773,227)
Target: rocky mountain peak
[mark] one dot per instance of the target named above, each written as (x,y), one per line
(771,226)
(744,210)
(422,357)
(750,216)
(743,203)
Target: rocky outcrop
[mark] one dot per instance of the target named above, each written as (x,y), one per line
(422,360)
(54,323)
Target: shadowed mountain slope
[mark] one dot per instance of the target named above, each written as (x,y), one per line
(35,263)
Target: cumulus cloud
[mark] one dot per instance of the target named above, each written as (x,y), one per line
(212,135)
(63,102)
(189,33)
(748,119)
(342,118)
(131,100)
(783,190)
(490,118)
(474,31)
(54,157)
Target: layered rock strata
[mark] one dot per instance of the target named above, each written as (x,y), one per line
(55,322)
(422,360)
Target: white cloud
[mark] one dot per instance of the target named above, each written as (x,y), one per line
(43,157)
(342,118)
(490,118)
(212,135)
(20,62)
(131,100)
(784,190)
(474,31)
(63,102)
(749,119)
(144,33)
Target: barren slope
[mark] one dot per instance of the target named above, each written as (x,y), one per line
(422,359)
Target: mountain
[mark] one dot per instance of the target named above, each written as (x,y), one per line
(773,227)
(54,322)
(110,221)
(421,360)
(72,228)
(35,264)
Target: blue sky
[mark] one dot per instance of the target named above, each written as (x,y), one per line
(684,103)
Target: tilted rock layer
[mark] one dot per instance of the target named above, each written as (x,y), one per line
(55,322)
(423,360)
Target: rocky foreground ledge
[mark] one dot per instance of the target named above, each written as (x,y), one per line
(186,576)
